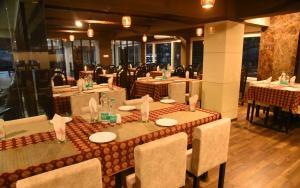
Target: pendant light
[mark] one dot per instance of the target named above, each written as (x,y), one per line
(144,38)
(126,21)
(72,37)
(90,32)
(199,32)
(207,4)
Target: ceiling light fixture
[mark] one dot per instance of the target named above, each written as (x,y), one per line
(144,38)
(78,23)
(207,4)
(90,32)
(158,37)
(72,38)
(126,21)
(199,31)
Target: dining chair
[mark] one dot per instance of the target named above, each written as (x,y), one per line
(81,100)
(140,71)
(176,91)
(195,88)
(191,71)
(85,174)
(160,163)
(209,150)
(26,120)
(58,79)
(179,71)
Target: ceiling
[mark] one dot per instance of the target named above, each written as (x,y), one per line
(153,16)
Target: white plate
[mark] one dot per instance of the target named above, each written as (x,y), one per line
(102,137)
(166,122)
(104,84)
(67,119)
(167,101)
(127,108)
(56,95)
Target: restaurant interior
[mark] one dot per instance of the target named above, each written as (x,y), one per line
(149,94)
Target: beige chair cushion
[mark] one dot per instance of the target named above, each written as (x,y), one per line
(25,120)
(82,100)
(161,163)
(86,174)
(131,181)
(177,91)
(210,146)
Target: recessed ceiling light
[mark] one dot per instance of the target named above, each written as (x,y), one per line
(78,23)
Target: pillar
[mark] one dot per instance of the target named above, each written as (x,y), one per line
(105,52)
(223,48)
(143,53)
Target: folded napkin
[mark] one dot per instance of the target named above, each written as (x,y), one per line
(130,66)
(157,68)
(187,74)
(145,108)
(110,82)
(80,84)
(93,106)
(292,80)
(2,130)
(104,72)
(193,101)
(147,75)
(268,82)
(59,125)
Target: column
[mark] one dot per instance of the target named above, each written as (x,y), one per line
(143,53)
(105,52)
(223,48)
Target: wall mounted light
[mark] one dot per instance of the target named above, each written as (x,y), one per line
(126,21)
(72,38)
(199,31)
(144,38)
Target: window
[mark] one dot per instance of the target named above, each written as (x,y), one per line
(163,53)
(177,54)
(197,56)
(250,55)
(132,48)
(149,53)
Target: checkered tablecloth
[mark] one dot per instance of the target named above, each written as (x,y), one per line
(156,91)
(275,96)
(154,74)
(115,156)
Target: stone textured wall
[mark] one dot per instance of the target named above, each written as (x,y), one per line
(278,46)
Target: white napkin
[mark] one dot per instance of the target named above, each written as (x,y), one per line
(59,127)
(80,83)
(93,106)
(110,82)
(148,75)
(2,130)
(193,101)
(145,108)
(104,72)
(157,68)
(130,66)
(292,80)
(187,74)
(268,81)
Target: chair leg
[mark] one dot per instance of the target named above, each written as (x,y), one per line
(248,111)
(257,111)
(252,111)
(267,115)
(221,175)
(196,182)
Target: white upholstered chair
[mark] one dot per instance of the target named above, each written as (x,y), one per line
(26,120)
(195,88)
(82,100)
(176,91)
(86,174)
(209,150)
(160,163)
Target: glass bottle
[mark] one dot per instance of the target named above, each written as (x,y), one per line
(112,111)
(104,112)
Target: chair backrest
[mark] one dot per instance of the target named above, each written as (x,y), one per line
(123,78)
(140,71)
(179,71)
(195,88)
(112,69)
(25,120)
(210,145)
(98,70)
(161,163)
(176,91)
(84,174)
(81,100)
(58,78)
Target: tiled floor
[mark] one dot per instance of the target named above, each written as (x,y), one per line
(259,158)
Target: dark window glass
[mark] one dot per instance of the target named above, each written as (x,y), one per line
(177,53)
(149,53)
(250,55)
(197,59)
(163,53)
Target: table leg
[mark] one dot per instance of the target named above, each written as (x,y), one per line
(252,111)
(118,179)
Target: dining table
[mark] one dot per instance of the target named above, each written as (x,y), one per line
(156,88)
(61,96)
(31,149)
